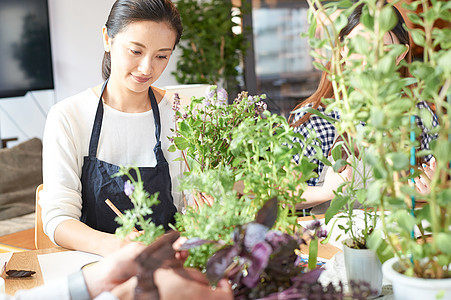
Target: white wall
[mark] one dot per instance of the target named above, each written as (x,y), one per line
(77,50)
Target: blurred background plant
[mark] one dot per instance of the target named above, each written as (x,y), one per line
(374,94)
(212,44)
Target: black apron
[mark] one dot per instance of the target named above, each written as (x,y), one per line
(99,185)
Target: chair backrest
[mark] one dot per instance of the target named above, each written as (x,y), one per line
(41,240)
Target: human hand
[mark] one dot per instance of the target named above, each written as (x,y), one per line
(201,198)
(112,270)
(173,286)
(126,290)
(180,254)
(333,179)
(422,182)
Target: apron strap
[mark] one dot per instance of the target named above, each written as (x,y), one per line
(156,116)
(95,134)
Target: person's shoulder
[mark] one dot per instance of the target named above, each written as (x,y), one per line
(299,113)
(78,101)
(74,107)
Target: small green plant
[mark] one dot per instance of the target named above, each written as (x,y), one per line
(142,207)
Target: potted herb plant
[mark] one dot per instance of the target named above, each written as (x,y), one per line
(260,262)
(229,143)
(392,108)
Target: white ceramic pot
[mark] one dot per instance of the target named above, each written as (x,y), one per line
(363,265)
(410,288)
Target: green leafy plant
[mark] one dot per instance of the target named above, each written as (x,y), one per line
(230,143)
(211,51)
(375,94)
(203,129)
(142,207)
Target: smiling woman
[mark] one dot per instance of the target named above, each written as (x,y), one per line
(123,122)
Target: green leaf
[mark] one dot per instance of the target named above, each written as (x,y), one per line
(172,148)
(445,62)
(443,242)
(335,206)
(398,160)
(336,151)
(418,36)
(415,18)
(181,143)
(367,20)
(319,66)
(339,164)
(405,220)
(386,65)
(387,19)
(340,22)
(313,254)
(377,243)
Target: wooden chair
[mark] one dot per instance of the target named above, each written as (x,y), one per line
(41,240)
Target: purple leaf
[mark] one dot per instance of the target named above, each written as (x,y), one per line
(19,273)
(219,262)
(195,242)
(309,277)
(255,233)
(267,215)
(277,238)
(258,261)
(314,225)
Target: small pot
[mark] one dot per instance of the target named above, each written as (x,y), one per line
(363,265)
(406,287)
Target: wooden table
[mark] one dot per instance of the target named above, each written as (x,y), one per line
(27,260)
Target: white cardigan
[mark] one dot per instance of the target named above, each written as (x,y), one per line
(125,139)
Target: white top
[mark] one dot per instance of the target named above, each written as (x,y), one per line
(125,139)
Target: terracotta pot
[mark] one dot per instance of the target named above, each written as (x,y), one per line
(408,288)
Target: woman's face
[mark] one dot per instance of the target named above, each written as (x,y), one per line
(359,30)
(140,53)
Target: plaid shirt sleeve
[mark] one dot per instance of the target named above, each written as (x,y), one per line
(425,137)
(325,136)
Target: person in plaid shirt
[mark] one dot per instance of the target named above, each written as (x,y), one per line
(306,123)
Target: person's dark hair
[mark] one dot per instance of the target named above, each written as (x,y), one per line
(125,12)
(325,89)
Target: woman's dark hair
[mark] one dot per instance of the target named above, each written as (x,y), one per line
(125,12)
(325,89)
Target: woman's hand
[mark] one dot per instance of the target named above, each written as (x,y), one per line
(172,286)
(333,180)
(113,270)
(423,182)
(201,198)
(126,291)
(180,254)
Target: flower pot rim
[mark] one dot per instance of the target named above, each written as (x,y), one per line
(393,275)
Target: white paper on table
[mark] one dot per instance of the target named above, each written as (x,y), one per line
(4,258)
(57,265)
